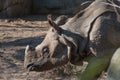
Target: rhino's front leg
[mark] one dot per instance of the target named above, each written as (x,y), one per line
(94,68)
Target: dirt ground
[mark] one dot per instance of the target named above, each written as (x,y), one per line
(15,34)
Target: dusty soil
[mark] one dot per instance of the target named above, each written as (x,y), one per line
(15,34)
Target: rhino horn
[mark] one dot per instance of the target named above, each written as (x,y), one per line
(29,48)
(53,24)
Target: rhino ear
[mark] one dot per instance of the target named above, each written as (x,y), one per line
(53,24)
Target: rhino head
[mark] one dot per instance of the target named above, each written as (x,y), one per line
(59,47)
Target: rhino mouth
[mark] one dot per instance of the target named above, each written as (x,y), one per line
(45,65)
(37,68)
(30,67)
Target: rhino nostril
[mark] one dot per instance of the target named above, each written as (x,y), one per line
(29,65)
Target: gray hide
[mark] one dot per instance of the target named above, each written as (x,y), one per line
(94,30)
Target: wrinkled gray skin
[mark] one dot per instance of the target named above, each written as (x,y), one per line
(114,68)
(94,30)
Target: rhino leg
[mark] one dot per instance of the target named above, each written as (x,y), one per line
(94,68)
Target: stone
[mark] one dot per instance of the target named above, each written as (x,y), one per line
(59,6)
(15,8)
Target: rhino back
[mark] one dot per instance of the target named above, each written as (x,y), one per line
(82,21)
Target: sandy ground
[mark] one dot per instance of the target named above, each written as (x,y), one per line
(15,34)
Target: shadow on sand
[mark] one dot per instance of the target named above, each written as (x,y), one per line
(33,41)
(18,48)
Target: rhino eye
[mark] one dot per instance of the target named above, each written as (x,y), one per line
(45,50)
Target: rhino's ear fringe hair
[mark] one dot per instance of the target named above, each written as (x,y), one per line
(53,24)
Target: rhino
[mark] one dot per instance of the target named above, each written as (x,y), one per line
(92,35)
(114,68)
